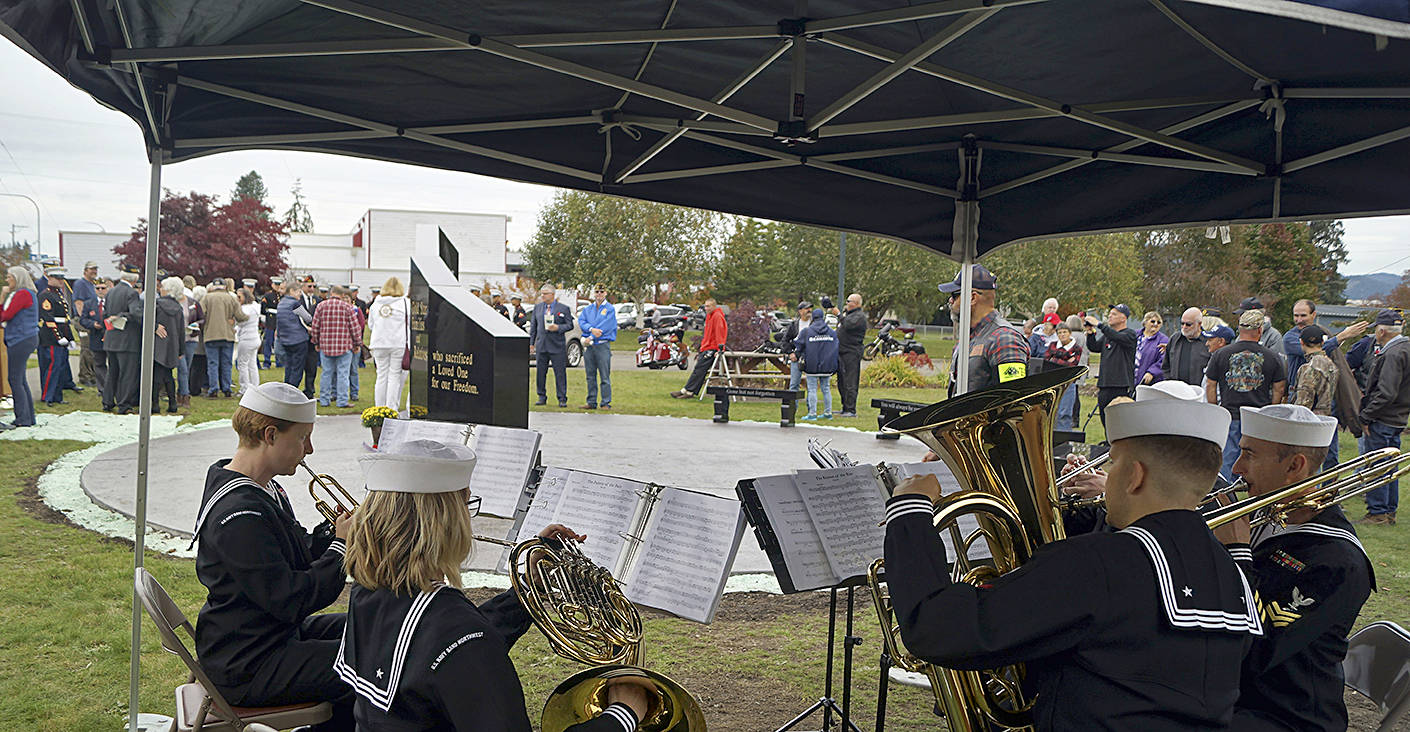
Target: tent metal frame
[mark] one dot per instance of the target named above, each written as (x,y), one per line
(713,121)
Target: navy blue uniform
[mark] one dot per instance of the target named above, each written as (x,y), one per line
(1311,580)
(1137,629)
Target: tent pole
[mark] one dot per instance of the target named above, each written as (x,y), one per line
(966,238)
(842,267)
(144,421)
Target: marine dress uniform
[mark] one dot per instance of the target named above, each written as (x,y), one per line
(1137,629)
(435,660)
(1311,579)
(257,635)
(55,335)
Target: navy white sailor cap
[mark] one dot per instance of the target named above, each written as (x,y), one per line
(418,466)
(281,401)
(1288,424)
(1168,417)
(1169,389)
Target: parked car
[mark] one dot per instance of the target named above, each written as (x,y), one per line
(573,343)
(664,316)
(626,313)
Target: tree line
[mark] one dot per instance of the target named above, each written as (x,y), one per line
(641,250)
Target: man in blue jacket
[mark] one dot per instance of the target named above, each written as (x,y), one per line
(817,346)
(550,322)
(598,321)
(292,321)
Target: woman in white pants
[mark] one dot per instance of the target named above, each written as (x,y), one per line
(247,342)
(388,319)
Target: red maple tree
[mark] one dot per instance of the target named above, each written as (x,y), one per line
(207,239)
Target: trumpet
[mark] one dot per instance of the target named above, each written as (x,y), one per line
(1084,467)
(333,489)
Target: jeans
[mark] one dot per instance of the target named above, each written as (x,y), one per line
(387,391)
(795,375)
(335,378)
(597,362)
(704,361)
(816,382)
(183,368)
(1231,449)
(1386,498)
(295,355)
(559,363)
(246,360)
(219,354)
(1067,409)
(18,355)
(353,366)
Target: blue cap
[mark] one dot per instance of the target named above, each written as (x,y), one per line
(1222,331)
(1120,308)
(982,278)
(1390,317)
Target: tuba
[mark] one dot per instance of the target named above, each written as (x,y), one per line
(580,609)
(998,442)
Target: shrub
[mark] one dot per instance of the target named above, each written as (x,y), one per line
(892,371)
(918,360)
(747,328)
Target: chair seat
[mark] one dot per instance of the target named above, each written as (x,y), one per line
(190,697)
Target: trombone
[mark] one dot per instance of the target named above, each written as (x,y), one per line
(1345,481)
(332,489)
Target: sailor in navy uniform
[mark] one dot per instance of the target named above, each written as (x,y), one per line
(1142,628)
(257,635)
(419,654)
(1312,576)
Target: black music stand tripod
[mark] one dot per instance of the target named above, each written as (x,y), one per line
(826,703)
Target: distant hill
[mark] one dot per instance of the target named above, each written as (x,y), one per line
(1360,287)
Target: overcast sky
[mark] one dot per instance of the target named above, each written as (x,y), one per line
(85,166)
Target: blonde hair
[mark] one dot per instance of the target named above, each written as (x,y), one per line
(393,287)
(407,542)
(250,426)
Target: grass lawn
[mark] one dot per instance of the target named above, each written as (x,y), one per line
(65,597)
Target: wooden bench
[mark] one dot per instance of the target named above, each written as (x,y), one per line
(891,409)
(724,394)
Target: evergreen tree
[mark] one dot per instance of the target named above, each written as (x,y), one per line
(298,218)
(250,185)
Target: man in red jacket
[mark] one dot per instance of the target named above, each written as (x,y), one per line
(712,343)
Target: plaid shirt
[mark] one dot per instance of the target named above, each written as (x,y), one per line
(337,327)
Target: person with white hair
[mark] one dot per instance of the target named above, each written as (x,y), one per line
(20,317)
(123,342)
(1310,575)
(166,354)
(1385,407)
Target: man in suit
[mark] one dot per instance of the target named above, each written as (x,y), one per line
(550,322)
(123,342)
(310,299)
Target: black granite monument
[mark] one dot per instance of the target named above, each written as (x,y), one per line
(468,362)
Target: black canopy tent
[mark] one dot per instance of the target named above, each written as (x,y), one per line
(899,120)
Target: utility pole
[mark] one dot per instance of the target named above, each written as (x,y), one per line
(38,222)
(13,229)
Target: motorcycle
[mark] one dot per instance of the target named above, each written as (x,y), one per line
(663,347)
(888,345)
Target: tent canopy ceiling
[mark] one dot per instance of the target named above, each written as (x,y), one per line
(1078,115)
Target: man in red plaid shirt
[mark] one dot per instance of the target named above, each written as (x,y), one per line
(337,331)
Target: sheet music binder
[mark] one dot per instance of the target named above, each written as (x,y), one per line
(630,559)
(754,514)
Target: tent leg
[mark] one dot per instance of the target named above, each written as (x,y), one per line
(144,422)
(966,241)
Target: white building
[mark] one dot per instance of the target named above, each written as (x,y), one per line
(77,248)
(379,247)
(382,243)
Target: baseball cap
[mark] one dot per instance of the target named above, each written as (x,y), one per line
(1313,334)
(1120,308)
(1248,303)
(1221,331)
(1052,318)
(1389,317)
(805,305)
(982,278)
(1251,319)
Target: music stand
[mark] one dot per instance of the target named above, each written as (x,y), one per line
(827,703)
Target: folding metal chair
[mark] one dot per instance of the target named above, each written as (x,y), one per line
(1377,666)
(199,705)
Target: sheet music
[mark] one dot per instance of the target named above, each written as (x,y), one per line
(398,431)
(545,503)
(503,458)
(685,559)
(600,506)
(803,553)
(847,506)
(948,485)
